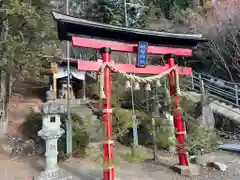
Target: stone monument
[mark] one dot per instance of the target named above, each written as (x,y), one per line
(51,132)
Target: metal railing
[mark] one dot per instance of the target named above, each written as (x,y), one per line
(216,88)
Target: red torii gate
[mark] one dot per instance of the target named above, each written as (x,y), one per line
(71,28)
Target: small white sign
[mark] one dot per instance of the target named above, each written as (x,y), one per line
(53,65)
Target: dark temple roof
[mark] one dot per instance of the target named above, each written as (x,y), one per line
(69,26)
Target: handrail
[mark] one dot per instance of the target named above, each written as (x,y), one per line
(207,76)
(219,89)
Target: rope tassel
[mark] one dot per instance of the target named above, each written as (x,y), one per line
(102,95)
(101,81)
(178,91)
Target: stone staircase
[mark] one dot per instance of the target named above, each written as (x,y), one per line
(218,106)
(93,124)
(223,96)
(90,120)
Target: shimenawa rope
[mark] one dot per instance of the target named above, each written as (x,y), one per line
(134,78)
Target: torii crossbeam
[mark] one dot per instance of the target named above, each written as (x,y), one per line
(106,38)
(131,68)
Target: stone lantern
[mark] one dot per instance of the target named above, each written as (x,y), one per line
(51,132)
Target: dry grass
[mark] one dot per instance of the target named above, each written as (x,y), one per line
(122,154)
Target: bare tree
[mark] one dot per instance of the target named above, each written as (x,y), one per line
(221,24)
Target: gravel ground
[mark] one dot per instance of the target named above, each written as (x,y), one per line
(207,173)
(14,170)
(83,170)
(152,171)
(156,171)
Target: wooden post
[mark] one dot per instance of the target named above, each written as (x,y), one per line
(199,81)
(202,90)
(54,69)
(192,83)
(236,94)
(66,94)
(54,82)
(62,92)
(154,138)
(84,88)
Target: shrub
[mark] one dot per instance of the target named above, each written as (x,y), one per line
(202,141)
(137,154)
(31,126)
(163,132)
(121,120)
(163,136)
(80,136)
(92,90)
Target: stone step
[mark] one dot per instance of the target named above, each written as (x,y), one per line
(85,116)
(91,121)
(81,108)
(95,118)
(72,101)
(83,113)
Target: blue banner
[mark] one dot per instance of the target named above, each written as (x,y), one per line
(142,54)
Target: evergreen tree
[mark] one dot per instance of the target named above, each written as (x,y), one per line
(166,6)
(105,11)
(30,31)
(112,12)
(183,4)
